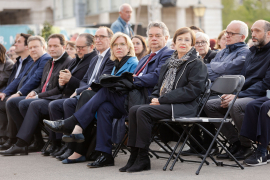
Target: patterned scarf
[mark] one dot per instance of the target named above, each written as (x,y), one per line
(173,66)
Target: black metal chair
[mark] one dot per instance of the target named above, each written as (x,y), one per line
(230,84)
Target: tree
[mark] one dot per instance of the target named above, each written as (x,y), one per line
(47,30)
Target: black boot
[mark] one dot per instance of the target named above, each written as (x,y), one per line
(142,162)
(132,158)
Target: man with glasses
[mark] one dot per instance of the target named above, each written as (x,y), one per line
(100,64)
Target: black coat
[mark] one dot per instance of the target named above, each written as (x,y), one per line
(189,84)
(209,56)
(52,86)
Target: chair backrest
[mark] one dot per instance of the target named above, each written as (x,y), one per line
(228,84)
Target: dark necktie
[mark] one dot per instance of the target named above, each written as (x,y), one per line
(150,57)
(48,78)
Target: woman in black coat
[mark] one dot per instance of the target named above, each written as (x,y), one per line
(181,81)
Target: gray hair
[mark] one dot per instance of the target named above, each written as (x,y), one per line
(266,26)
(160,25)
(243,27)
(39,38)
(89,38)
(123,5)
(205,36)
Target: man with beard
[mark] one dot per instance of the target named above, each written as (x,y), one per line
(257,80)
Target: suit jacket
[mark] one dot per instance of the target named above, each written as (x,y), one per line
(150,78)
(32,79)
(5,71)
(106,67)
(52,88)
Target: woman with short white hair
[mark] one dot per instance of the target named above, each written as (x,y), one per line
(202,46)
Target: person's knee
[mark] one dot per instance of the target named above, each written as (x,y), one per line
(11,103)
(69,102)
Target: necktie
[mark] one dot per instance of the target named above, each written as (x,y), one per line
(48,78)
(96,69)
(150,57)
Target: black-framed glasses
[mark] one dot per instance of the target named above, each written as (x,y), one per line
(231,33)
(101,37)
(202,43)
(80,47)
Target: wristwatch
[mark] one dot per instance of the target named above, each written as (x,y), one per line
(19,92)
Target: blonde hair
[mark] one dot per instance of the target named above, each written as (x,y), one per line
(129,44)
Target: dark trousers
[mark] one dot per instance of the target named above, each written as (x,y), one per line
(3,118)
(107,105)
(256,124)
(141,119)
(31,112)
(61,109)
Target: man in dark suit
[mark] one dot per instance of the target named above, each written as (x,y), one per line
(24,58)
(28,80)
(64,108)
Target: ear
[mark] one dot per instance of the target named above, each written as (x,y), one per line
(166,38)
(268,34)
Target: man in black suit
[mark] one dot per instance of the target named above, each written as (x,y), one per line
(25,111)
(102,64)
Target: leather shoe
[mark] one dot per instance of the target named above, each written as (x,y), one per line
(7,144)
(36,146)
(67,153)
(71,161)
(235,148)
(50,150)
(61,151)
(94,155)
(102,160)
(3,140)
(78,138)
(57,126)
(243,153)
(14,149)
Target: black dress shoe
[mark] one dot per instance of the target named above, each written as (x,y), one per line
(132,159)
(36,146)
(102,160)
(235,148)
(94,155)
(3,140)
(7,144)
(55,151)
(61,151)
(14,149)
(243,153)
(142,163)
(67,153)
(51,149)
(57,126)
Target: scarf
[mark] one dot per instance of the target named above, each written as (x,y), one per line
(173,65)
(118,64)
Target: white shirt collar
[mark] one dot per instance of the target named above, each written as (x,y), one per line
(158,50)
(58,58)
(104,52)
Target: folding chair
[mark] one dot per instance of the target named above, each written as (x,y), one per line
(230,84)
(43,128)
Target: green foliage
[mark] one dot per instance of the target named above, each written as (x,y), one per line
(47,30)
(248,11)
(30,31)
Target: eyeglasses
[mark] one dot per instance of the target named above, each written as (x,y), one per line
(202,43)
(80,47)
(120,44)
(101,37)
(231,33)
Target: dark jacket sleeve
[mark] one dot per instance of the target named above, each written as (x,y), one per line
(8,66)
(197,76)
(150,79)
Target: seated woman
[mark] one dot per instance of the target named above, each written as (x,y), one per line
(221,41)
(139,46)
(202,46)
(181,81)
(106,104)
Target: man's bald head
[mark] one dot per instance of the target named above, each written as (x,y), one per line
(260,33)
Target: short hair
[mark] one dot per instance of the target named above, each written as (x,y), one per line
(2,54)
(61,37)
(266,26)
(25,36)
(184,30)
(160,25)
(89,38)
(39,38)
(109,31)
(129,44)
(71,43)
(205,36)
(123,5)
(243,27)
(218,39)
(196,28)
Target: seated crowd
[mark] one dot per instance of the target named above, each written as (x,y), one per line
(81,90)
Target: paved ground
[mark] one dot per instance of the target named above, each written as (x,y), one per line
(34,166)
